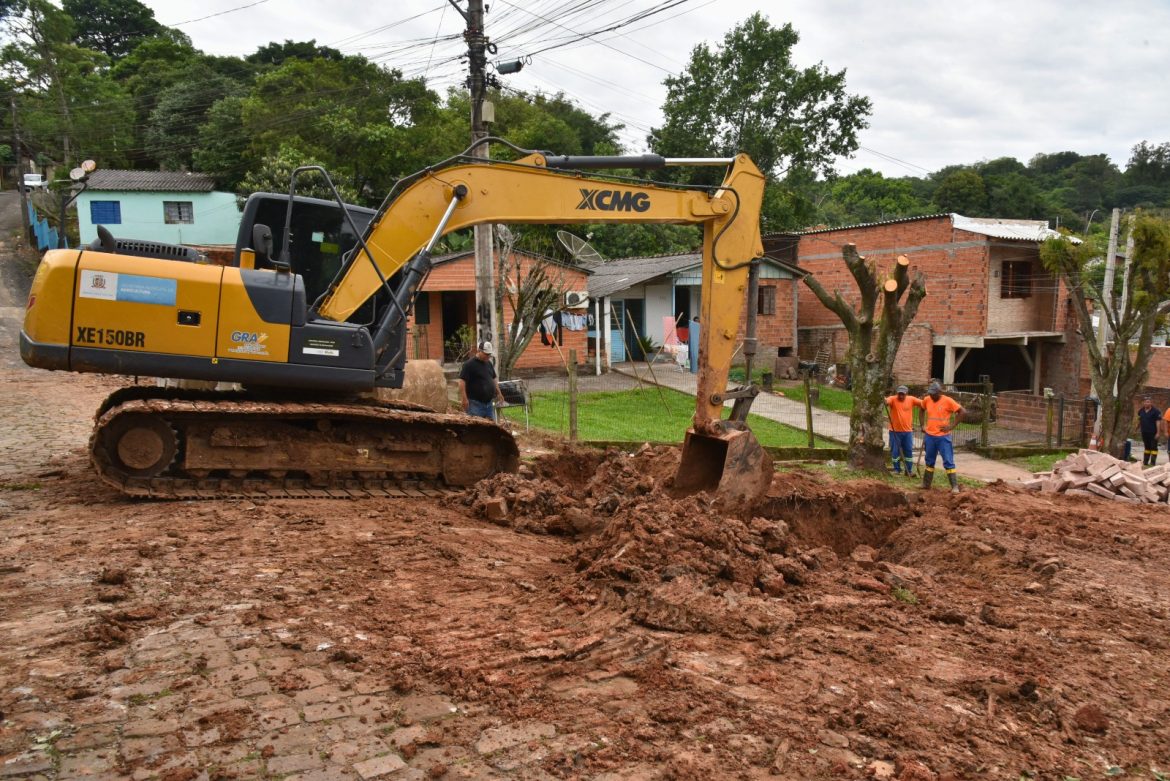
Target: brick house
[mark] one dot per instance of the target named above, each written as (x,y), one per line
(991,308)
(642,295)
(447,301)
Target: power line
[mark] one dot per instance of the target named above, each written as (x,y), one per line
(218,13)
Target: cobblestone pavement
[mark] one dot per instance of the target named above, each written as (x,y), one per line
(102,676)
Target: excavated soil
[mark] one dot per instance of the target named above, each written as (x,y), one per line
(832,631)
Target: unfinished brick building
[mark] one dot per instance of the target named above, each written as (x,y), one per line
(991,308)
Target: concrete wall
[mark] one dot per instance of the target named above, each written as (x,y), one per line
(659,303)
(216,217)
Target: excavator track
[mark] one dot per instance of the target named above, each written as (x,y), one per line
(166,443)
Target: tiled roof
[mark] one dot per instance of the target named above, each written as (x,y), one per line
(150,181)
(450,257)
(612,276)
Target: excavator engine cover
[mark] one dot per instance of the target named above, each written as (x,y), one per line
(731,464)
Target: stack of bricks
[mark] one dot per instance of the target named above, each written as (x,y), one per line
(1089,473)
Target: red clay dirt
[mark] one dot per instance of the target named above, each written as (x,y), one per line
(595,627)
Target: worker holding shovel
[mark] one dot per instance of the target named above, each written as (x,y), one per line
(900,410)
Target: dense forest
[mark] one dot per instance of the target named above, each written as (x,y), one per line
(104,80)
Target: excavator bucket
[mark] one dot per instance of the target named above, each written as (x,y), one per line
(731,464)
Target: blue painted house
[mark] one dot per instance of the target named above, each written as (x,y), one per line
(166,206)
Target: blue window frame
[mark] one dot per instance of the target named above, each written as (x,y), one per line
(105,212)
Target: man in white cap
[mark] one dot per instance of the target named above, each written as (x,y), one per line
(477,383)
(900,409)
(941,415)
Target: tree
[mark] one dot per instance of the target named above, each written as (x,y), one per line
(867,196)
(962,191)
(173,131)
(530,293)
(1120,371)
(276,53)
(873,344)
(747,95)
(1149,164)
(273,173)
(112,27)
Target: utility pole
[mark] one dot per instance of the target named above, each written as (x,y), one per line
(1106,307)
(477,47)
(16,150)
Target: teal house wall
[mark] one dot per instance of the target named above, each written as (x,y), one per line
(171,207)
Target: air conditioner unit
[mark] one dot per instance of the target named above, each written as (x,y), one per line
(574,299)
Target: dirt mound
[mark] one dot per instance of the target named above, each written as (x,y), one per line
(573,491)
(689,563)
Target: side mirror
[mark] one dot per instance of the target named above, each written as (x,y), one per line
(262,244)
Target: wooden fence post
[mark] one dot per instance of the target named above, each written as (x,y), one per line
(572,395)
(808,416)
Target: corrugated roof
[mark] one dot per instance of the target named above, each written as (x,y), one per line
(869,224)
(150,181)
(1021,230)
(612,276)
(994,227)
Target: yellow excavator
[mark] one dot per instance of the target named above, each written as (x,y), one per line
(304,424)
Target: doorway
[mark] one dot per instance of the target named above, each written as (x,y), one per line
(458,310)
(636,312)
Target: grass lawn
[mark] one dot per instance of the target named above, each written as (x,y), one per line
(1038,463)
(839,470)
(832,399)
(640,415)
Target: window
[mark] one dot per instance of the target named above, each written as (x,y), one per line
(1016,281)
(767,305)
(105,212)
(178,212)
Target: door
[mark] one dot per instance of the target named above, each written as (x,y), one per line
(636,312)
(457,307)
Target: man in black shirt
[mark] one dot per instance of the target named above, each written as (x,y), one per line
(1150,423)
(477,383)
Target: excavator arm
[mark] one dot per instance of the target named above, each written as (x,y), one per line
(540,188)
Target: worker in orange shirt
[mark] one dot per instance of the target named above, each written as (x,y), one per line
(900,408)
(941,413)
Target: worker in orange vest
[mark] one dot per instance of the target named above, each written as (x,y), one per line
(941,413)
(900,408)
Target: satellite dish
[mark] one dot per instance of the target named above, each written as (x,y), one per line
(579,249)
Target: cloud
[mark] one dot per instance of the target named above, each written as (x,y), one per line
(950,83)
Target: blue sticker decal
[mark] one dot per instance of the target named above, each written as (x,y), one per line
(147,290)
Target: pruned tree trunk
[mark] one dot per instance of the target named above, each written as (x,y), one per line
(1119,372)
(874,338)
(529,295)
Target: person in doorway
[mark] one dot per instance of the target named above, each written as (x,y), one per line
(941,414)
(900,408)
(1152,426)
(477,383)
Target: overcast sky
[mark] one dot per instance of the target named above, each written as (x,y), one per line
(950,82)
